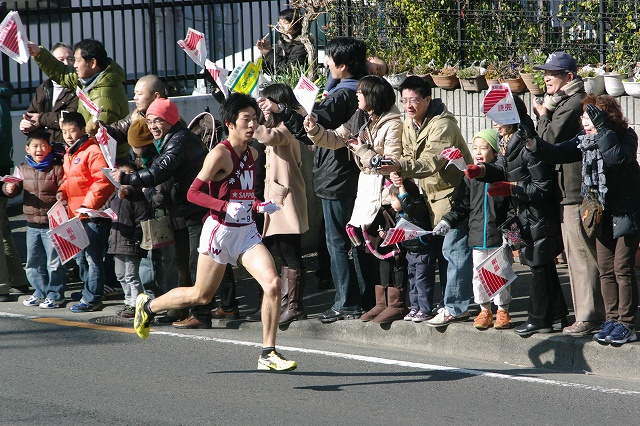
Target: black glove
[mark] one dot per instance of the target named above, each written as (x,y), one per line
(524,132)
(597,116)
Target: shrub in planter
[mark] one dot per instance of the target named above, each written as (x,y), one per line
(471,79)
(446,78)
(533,79)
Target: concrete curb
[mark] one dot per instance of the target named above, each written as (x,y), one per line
(552,351)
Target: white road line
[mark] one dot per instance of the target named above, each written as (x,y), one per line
(387,361)
(416,365)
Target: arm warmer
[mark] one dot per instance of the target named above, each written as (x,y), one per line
(196,195)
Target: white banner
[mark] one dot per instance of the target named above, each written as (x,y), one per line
(499,105)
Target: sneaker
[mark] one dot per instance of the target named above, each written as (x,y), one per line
(127,311)
(85,307)
(276,362)
(51,303)
(32,301)
(503,320)
(445,318)
(581,328)
(421,316)
(412,313)
(483,320)
(621,334)
(606,330)
(142,320)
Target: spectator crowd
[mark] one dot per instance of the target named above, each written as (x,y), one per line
(373,165)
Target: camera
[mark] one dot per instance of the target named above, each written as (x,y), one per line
(379,161)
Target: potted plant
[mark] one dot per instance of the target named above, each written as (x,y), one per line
(472,79)
(533,79)
(492,74)
(425,71)
(446,78)
(593,79)
(399,63)
(508,73)
(613,79)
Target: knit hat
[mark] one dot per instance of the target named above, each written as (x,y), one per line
(489,135)
(164,109)
(139,134)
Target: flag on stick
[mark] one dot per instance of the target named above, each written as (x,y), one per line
(69,239)
(306,92)
(495,272)
(499,105)
(455,157)
(194,45)
(403,231)
(13,38)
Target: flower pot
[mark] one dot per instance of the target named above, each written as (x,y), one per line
(425,77)
(447,82)
(632,88)
(491,81)
(613,84)
(594,85)
(476,84)
(528,78)
(516,84)
(396,79)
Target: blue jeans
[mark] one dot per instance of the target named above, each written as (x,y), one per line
(336,215)
(421,269)
(44,270)
(91,260)
(459,289)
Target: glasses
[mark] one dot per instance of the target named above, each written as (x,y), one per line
(156,121)
(555,74)
(411,101)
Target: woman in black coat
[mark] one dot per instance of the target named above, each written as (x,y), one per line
(610,171)
(533,188)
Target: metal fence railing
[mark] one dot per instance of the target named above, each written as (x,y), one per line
(141,35)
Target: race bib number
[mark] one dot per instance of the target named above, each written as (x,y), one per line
(241,203)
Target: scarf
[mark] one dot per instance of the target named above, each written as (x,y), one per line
(551,101)
(43,165)
(593,177)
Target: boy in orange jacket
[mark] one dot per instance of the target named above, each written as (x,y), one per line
(85,185)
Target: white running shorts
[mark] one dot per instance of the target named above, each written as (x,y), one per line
(224,243)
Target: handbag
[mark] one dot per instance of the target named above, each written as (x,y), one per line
(157,233)
(591,214)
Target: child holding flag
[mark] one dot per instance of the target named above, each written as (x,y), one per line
(421,254)
(43,174)
(85,185)
(485,214)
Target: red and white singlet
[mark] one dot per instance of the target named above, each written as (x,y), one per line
(236,187)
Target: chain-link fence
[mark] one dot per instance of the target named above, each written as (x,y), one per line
(414,32)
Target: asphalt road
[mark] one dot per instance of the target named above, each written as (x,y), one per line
(77,372)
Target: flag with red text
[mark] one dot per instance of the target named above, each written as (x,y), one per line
(69,239)
(495,272)
(108,145)
(93,109)
(57,214)
(498,105)
(13,38)
(194,45)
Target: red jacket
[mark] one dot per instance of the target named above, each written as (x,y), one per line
(84,182)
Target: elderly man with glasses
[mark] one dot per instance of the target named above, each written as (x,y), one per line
(559,120)
(428,130)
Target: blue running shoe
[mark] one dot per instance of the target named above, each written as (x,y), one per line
(85,307)
(606,330)
(622,334)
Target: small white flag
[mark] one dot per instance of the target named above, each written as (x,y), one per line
(57,214)
(69,239)
(495,272)
(499,105)
(306,92)
(194,45)
(93,109)
(403,231)
(13,38)
(108,146)
(219,75)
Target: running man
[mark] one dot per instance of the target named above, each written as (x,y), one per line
(229,233)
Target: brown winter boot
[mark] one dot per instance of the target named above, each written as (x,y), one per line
(381,304)
(284,289)
(395,306)
(295,308)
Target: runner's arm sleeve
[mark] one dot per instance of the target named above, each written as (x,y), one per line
(197,195)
